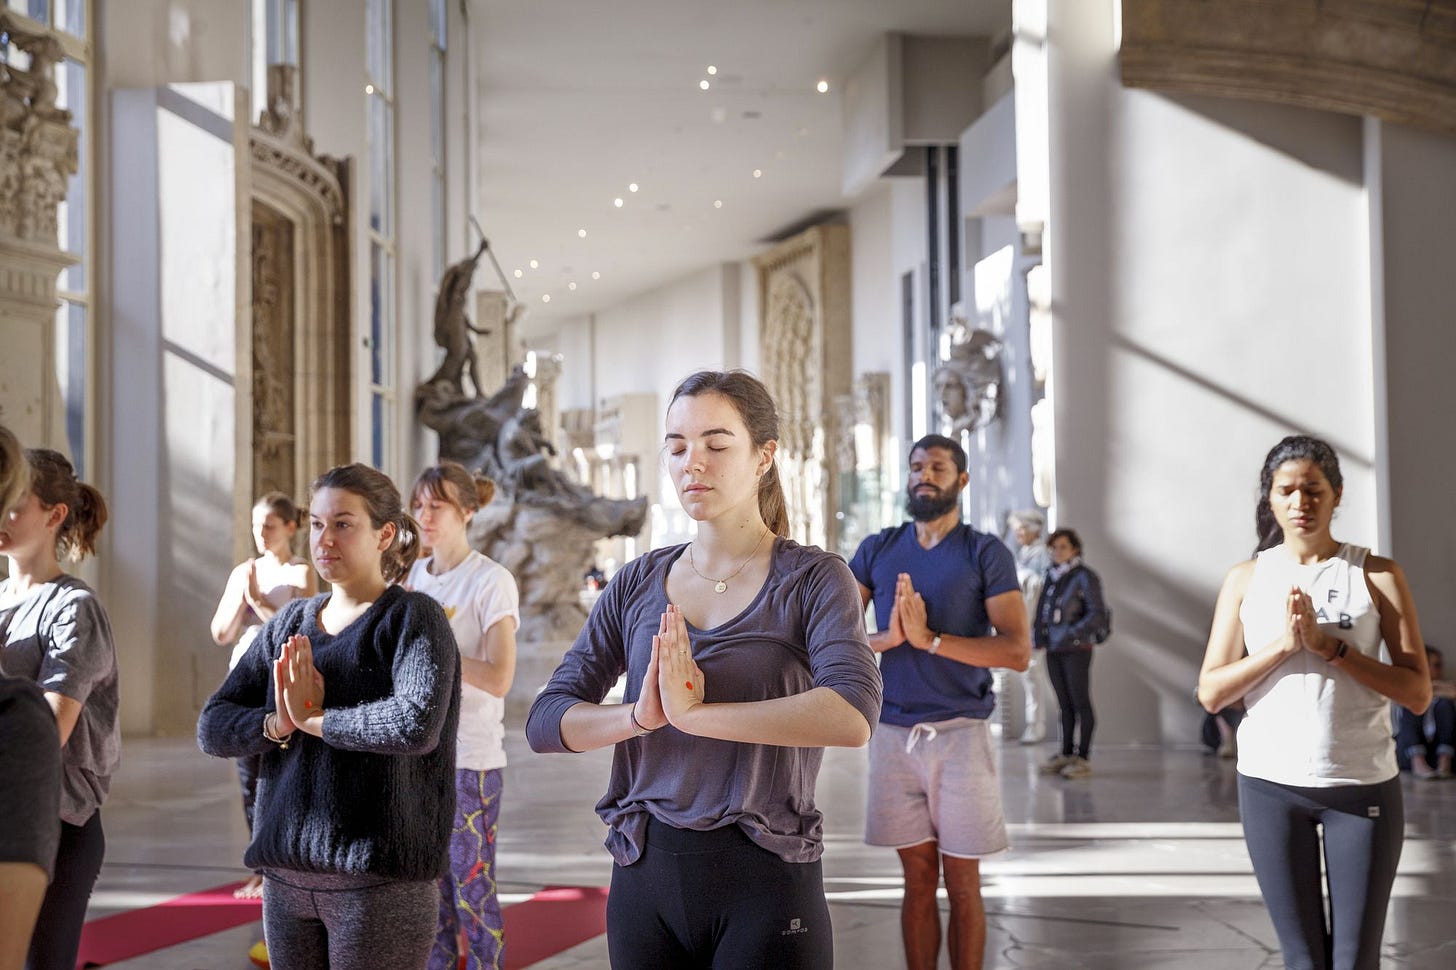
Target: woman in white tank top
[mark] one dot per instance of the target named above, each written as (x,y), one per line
(256,590)
(1296,636)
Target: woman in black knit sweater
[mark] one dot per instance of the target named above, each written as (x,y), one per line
(352,698)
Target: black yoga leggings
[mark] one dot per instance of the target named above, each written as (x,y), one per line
(1364,826)
(58,928)
(716,901)
(1071,676)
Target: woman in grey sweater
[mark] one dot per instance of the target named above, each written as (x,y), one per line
(745,655)
(352,698)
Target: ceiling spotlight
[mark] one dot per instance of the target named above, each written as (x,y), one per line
(519,274)
(596,276)
(822,87)
(545,297)
(571,286)
(712,69)
(758,173)
(368,89)
(717,203)
(618,202)
(581,233)
(534,265)
(704,84)
(632,187)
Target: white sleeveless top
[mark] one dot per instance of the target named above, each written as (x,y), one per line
(278,590)
(1309,723)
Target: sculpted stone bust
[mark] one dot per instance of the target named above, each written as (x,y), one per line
(968,386)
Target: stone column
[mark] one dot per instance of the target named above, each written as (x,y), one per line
(38,154)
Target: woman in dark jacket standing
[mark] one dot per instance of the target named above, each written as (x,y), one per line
(1071,618)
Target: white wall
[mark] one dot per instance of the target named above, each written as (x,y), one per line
(1208,272)
(171,320)
(1413,192)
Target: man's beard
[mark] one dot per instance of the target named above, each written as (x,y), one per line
(932,505)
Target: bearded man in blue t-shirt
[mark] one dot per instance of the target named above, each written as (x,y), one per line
(949,607)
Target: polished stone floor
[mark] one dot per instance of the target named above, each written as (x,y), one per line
(1140,866)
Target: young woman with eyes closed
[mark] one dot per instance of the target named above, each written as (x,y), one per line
(745,655)
(256,590)
(480,598)
(54,631)
(1296,635)
(352,698)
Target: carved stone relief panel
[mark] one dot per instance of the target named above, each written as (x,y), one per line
(806,346)
(275,435)
(298,407)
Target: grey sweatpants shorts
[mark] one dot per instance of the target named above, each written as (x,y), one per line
(936,782)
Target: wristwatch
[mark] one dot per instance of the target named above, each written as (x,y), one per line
(934,644)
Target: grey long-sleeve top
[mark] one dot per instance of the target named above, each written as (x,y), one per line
(805,629)
(375,795)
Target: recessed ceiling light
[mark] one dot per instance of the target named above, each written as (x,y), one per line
(534,265)
(618,202)
(632,187)
(368,89)
(717,203)
(596,276)
(758,173)
(519,274)
(712,69)
(704,84)
(545,297)
(822,87)
(581,233)
(571,286)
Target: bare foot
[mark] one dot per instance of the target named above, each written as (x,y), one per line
(252,889)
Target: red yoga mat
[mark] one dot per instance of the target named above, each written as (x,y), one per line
(555,919)
(122,936)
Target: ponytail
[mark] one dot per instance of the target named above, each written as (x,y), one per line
(771,503)
(54,482)
(395,562)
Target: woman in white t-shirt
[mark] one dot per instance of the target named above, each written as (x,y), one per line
(480,598)
(1296,636)
(256,590)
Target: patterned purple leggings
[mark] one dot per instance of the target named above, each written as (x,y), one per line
(468,903)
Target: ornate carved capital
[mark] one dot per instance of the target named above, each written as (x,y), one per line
(1394,59)
(39,150)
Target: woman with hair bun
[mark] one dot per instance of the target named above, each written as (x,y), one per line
(745,655)
(256,590)
(352,698)
(56,633)
(1296,635)
(480,598)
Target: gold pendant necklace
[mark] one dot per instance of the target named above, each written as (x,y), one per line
(721,585)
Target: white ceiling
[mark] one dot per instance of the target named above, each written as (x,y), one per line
(579,98)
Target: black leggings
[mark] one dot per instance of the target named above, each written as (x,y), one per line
(62,913)
(1363,827)
(1071,675)
(716,901)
